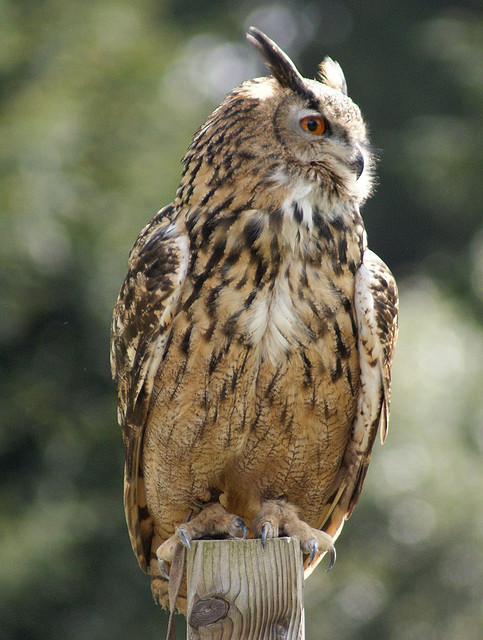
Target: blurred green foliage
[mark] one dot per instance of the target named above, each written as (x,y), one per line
(98,101)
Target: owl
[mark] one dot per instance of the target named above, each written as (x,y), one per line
(253,336)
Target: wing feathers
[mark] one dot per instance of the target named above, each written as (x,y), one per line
(376,307)
(141,325)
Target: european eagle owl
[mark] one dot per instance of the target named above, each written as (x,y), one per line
(253,336)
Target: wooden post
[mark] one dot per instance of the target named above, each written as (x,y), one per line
(238,590)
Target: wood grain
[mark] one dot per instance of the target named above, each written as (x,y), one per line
(238,590)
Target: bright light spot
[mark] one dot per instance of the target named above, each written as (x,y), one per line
(328,22)
(226,67)
(206,69)
(412,521)
(46,243)
(279,23)
(404,469)
(362,598)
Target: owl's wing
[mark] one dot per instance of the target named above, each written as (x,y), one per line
(140,330)
(376,309)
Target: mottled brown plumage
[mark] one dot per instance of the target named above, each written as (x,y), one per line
(253,336)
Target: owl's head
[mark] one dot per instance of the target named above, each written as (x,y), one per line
(318,126)
(284,130)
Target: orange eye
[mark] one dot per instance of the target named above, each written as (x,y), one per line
(314,124)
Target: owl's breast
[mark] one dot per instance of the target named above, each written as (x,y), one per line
(266,314)
(310,282)
(272,325)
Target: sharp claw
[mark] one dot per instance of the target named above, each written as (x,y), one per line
(313,550)
(162,568)
(241,524)
(266,530)
(182,535)
(333,557)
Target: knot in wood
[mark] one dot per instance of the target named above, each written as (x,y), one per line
(281,630)
(208,611)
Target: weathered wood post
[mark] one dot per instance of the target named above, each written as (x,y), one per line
(238,590)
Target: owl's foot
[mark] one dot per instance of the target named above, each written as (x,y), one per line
(212,522)
(277,518)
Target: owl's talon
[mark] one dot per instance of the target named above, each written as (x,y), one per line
(184,537)
(267,531)
(313,550)
(162,568)
(240,523)
(277,517)
(333,556)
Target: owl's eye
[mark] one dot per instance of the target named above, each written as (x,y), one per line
(316,125)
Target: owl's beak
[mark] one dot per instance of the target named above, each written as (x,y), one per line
(358,162)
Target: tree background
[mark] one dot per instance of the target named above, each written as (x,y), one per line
(98,101)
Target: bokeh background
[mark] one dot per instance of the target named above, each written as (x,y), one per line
(98,101)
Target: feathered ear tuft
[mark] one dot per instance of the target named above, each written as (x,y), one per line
(278,62)
(331,74)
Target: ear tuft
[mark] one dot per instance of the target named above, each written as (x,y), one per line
(278,62)
(331,74)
